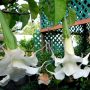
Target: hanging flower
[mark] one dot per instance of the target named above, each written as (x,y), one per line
(15,66)
(69,61)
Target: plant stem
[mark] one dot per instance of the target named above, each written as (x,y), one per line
(66,32)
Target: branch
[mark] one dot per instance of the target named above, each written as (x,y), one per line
(18,13)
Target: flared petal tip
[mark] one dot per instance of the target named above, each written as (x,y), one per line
(5,80)
(86,59)
(59,76)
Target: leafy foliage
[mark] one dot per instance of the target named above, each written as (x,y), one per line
(24,19)
(9,38)
(80,46)
(54,9)
(71,16)
(14,12)
(27,46)
(34,9)
(24,8)
(6,2)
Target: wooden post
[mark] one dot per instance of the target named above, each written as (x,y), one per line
(84,39)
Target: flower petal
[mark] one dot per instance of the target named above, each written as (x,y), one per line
(82,73)
(85,59)
(32,71)
(58,68)
(79,73)
(72,58)
(4,63)
(32,60)
(17,53)
(77,58)
(29,70)
(5,80)
(69,68)
(16,74)
(86,71)
(58,61)
(59,74)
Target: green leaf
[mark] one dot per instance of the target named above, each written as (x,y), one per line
(11,19)
(46,7)
(7,18)
(24,8)
(54,9)
(14,18)
(71,16)
(34,9)
(24,19)
(60,9)
(9,38)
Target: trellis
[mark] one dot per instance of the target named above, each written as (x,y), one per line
(53,34)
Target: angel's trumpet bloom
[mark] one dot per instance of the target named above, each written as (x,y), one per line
(69,61)
(15,65)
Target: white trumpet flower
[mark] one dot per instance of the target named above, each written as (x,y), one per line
(15,66)
(69,62)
